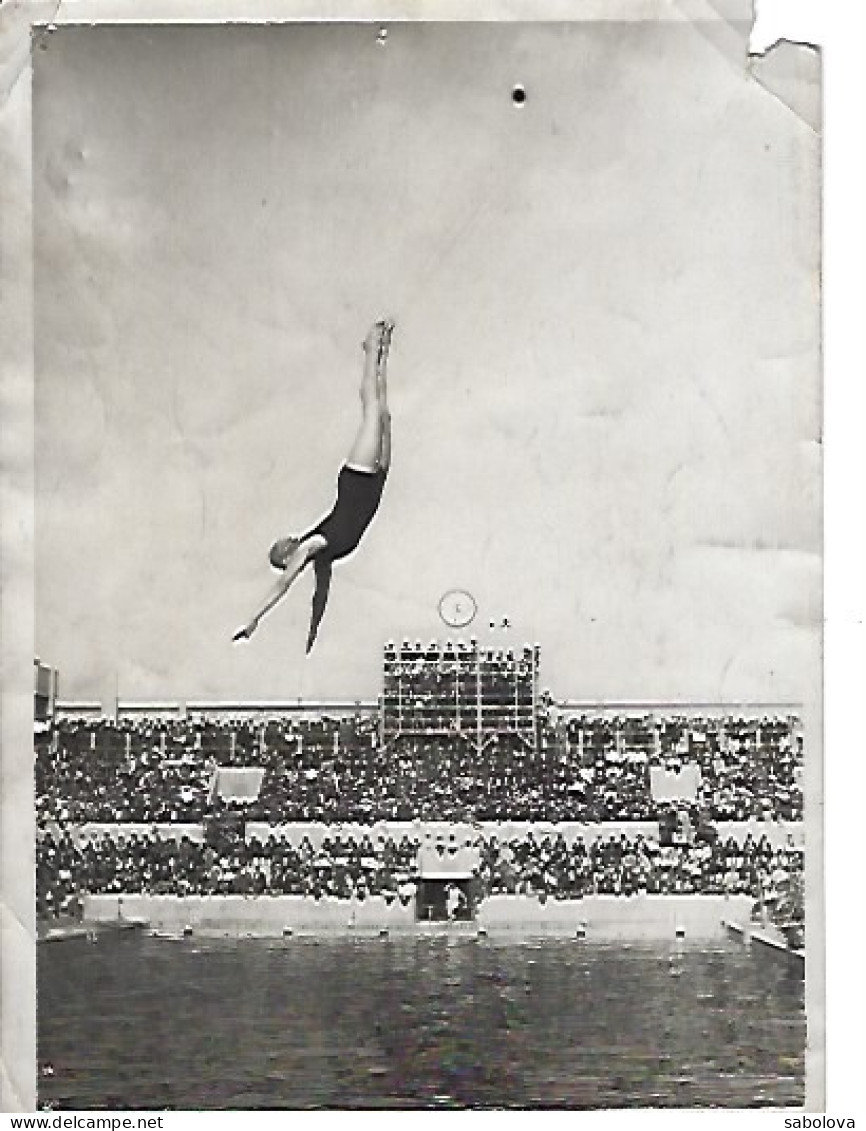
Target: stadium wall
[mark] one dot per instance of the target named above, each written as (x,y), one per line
(247,710)
(615,917)
(777,832)
(597,918)
(238,915)
(227,712)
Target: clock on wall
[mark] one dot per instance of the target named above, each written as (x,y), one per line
(457,608)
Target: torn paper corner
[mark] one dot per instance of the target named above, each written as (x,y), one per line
(788,70)
(791,73)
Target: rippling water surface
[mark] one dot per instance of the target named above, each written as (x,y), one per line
(415,1022)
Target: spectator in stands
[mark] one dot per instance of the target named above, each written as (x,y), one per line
(344,868)
(333,770)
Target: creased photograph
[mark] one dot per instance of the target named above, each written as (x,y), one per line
(426,565)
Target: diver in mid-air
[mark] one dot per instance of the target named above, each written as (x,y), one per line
(359,490)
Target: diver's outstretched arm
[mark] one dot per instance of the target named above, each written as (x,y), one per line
(294,566)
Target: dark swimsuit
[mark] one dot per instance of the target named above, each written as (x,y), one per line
(358,497)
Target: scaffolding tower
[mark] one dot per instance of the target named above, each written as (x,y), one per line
(460,689)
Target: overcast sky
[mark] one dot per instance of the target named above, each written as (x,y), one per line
(603,377)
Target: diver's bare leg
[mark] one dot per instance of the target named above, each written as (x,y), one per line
(382,363)
(384,459)
(385,442)
(364,453)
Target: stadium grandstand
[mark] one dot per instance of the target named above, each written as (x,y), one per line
(464,785)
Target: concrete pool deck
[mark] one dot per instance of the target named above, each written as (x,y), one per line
(597,918)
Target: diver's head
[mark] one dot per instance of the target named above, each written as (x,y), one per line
(282,550)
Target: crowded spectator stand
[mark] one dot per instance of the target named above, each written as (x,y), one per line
(463,759)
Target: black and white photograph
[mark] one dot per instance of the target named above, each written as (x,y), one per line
(427,565)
